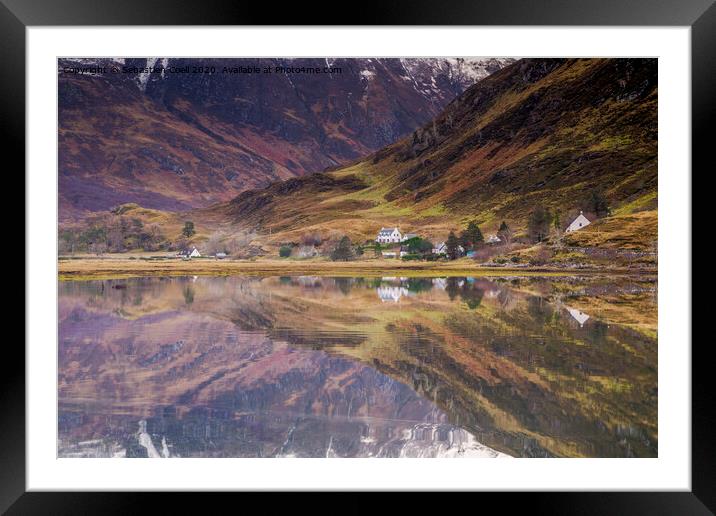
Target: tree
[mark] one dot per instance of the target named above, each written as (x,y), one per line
(418,245)
(597,203)
(343,251)
(188,230)
(313,239)
(214,244)
(539,223)
(239,243)
(67,242)
(472,236)
(376,249)
(504,232)
(453,246)
(284,251)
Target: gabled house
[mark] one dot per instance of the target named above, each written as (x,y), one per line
(493,239)
(578,223)
(440,248)
(389,236)
(190,253)
(578,315)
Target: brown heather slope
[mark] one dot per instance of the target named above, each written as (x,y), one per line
(540,131)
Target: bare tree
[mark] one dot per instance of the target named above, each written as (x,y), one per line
(214,244)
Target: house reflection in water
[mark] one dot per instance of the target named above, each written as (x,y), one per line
(578,315)
(391,293)
(440,283)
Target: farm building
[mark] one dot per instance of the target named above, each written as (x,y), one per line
(389,236)
(192,252)
(578,223)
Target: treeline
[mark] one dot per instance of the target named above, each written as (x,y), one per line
(542,221)
(117,234)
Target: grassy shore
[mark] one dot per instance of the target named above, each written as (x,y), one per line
(81,268)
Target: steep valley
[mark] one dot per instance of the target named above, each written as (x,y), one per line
(540,132)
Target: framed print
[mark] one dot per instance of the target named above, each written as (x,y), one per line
(370,257)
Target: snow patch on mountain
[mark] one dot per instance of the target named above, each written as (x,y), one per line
(463,71)
(367,74)
(143,77)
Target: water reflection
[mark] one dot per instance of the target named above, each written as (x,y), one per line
(357,367)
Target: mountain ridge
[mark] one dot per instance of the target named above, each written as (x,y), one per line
(540,132)
(175,141)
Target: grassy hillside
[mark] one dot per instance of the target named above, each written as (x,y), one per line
(539,132)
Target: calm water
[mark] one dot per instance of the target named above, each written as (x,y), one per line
(356,367)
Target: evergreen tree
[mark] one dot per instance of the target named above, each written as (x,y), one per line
(472,236)
(538,224)
(188,230)
(418,245)
(453,246)
(504,232)
(597,203)
(376,249)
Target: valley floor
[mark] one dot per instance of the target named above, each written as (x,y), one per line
(78,268)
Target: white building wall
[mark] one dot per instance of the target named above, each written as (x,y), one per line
(578,223)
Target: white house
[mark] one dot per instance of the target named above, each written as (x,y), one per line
(493,239)
(389,236)
(578,315)
(441,248)
(190,253)
(578,223)
(408,236)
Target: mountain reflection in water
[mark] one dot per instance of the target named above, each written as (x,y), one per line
(355,367)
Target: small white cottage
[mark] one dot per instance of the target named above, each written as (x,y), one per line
(440,248)
(190,253)
(578,315)
(493,239)
(578,223)
(389,236)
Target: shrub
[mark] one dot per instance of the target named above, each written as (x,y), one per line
(284,251)
(542,256)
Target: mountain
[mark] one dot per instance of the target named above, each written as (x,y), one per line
(538,132)
(165,134)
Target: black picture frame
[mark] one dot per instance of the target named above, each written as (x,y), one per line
(700,15)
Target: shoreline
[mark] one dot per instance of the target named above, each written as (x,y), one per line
(78,269)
